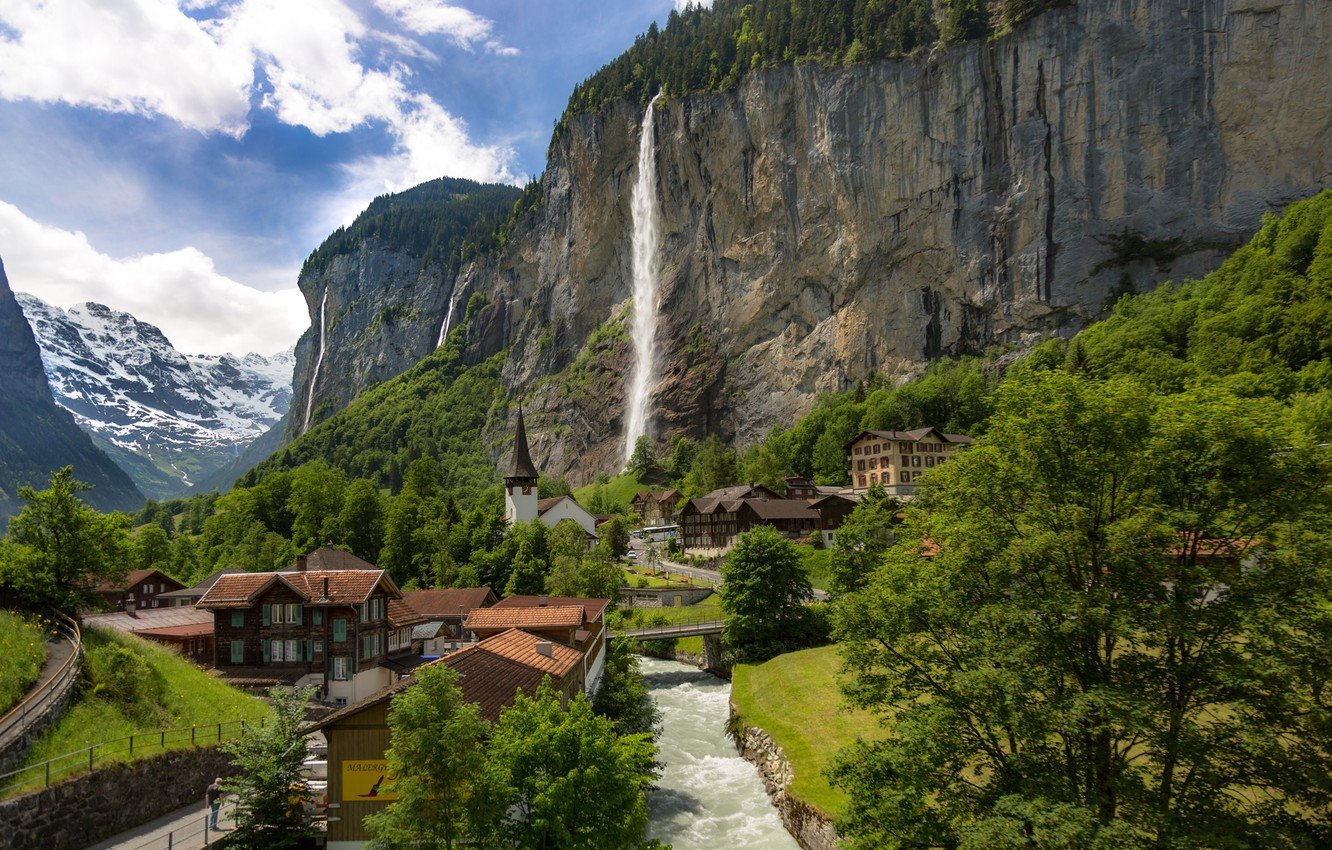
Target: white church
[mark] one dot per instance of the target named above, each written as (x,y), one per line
(520,492)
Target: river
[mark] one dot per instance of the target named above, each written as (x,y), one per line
(707,797)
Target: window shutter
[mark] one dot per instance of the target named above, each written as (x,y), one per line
(300,614)
(317,616)
(237,652)
(268,617)
(263,644)
(309,650)
(237,619)
(339,629)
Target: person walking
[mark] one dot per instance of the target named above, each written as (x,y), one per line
(213,797)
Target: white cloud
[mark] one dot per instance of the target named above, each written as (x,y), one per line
(685,4)
(136,56)
(466,28)
(200,310)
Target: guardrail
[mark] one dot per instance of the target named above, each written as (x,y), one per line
(675,630)
(34,706)
(42,774)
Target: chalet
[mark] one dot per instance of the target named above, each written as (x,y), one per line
(558,508)
(138,590)
(332,621)
(191,595)
(185,629)
(800,487)
(575,622)
(715,520)
(657,507)
(490,673)
(444,611)
(895,459)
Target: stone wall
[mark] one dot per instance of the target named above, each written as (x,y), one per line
(77,812)
(812,829)
(663,597)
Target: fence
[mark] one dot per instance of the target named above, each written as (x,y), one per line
(42,774)
(33,707)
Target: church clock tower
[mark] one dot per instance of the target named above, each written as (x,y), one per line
(520,485)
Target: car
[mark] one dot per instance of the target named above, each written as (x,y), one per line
(632,555)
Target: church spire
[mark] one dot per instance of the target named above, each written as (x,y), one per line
(523,468)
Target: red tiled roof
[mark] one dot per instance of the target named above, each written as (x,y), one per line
(449,601)
(512,617)
(401,614)
(196,630)
(150,618)
(592,608)
(518,645)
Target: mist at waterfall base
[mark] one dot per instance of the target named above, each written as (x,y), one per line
(707,797)
(645,245)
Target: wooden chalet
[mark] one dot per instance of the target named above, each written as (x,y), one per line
(138,590)
(657,507)
(444,611)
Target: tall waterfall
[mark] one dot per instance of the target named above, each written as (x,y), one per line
(643,205)
(448,320)
(319,361)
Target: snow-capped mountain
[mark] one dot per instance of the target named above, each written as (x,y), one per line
(166,418)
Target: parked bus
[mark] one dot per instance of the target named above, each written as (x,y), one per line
(657,533)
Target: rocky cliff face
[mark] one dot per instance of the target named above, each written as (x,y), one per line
(820,225)
(166,418)
(36,436)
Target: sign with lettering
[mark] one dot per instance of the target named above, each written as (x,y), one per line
(364,780)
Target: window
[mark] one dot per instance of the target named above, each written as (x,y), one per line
(856,450)
(237,619)
(285,613)
(238,652)
(874,463)
(862,481)
(319,647)
(906,448)
(339,630)
(284,650)
(915,461)
(372,610)
(860,466)
(904,477)
(874,478)
(317,616)
(372,645)
(929,461)
(341,668)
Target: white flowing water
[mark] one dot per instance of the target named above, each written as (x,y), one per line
(448,320)
(319,361)
(643,205)
(707,797)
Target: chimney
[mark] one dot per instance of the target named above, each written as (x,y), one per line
(543,647)
(543,601)
(324,596)
(130,605)
(300,563)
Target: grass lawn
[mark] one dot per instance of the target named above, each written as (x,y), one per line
(708,609)
(621,489)
(817,564)
(140,687)
(23,647)
(794,698)
(643,573)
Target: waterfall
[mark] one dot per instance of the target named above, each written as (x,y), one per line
(643,205)
(319,361)
(448,320)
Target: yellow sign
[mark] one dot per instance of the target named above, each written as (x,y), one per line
(366,780)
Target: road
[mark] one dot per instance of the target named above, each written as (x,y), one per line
(183,829)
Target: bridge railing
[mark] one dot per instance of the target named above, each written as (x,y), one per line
(43,773)
(33,707)
(671,630)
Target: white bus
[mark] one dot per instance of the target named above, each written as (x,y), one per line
(657,533)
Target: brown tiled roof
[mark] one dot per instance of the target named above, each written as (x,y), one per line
(592,608)
(544,505)
(401,614)
(200,587)
(335,559)
(345,587)
(549,617)
(781,509)
(908,436)
(132,578)
(447,602)
(150,618)
(518,645)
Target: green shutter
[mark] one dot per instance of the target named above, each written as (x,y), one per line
(264,645)
(300,614)
(339,629)
(317,616)
(237,619)
(237,652)
(268,616)
(309,650)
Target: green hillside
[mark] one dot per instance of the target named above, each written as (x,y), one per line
(23,646)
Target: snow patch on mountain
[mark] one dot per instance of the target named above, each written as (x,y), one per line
(128,386)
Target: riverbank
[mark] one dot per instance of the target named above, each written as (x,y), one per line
(812,829)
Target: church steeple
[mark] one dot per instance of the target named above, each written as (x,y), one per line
(520,485)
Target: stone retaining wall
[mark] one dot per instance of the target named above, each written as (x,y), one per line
(663,597)
(812,829)
(83,810)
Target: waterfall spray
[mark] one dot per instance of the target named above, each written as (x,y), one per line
(319,361)
(643,205)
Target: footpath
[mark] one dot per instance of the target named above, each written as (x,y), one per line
(183,829)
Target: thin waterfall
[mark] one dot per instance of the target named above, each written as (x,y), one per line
(448,320)
(645,243)
(319,361)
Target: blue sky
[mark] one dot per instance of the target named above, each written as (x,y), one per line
(179,158)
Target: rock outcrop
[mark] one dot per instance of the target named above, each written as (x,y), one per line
(823,224)
(811,828)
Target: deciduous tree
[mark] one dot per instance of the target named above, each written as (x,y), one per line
(764,592)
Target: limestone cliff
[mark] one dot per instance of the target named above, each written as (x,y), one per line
(822,224)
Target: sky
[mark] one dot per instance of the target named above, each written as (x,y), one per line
(179,159)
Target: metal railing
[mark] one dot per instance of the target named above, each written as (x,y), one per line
(34,706)
(42,774)
(674,630)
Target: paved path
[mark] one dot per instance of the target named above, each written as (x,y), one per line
(183,829)
(58,650)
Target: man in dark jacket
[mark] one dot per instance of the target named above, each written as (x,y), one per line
(213,797)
